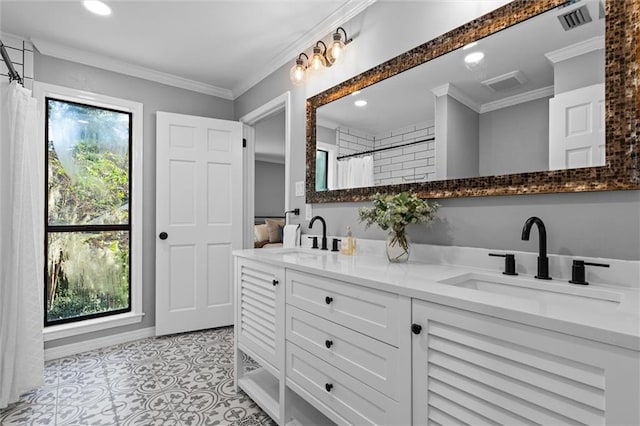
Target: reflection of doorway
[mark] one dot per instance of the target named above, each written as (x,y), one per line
(266,163)
(269,165)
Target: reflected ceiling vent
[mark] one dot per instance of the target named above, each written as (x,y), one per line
(505,81)
(575,18)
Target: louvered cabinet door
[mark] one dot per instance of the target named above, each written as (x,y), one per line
(260,310)
(474,369)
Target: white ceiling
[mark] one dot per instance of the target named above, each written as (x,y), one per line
(221,47)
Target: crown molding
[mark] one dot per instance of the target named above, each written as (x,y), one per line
(517,99)
(104,62)
(338,18)
(577,49)
(457,94)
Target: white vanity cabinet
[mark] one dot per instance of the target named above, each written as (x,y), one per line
(348,349)
(335,347)
(259,330)
(476,369)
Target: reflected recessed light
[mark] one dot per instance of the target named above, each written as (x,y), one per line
(470,45)
(474,58)
(97,7)
(360,103)
(355,93)
(83,121)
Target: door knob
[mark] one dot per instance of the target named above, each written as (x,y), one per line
(328,300)
(416,328)
(328,343)
(163,235)
(328,387)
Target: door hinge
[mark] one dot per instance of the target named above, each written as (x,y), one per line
(244,143)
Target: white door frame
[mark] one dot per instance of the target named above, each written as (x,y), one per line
(250,119)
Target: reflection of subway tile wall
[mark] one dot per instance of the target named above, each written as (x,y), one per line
(409,163)
(350,141)
(21,53)
(398,165)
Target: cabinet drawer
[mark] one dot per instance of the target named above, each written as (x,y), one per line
(369,311)
(373,362)
(336,391)
(259,321)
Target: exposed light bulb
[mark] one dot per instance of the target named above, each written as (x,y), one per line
(298,72)
(97,7)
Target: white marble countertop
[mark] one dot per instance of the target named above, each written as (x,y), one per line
(606,313)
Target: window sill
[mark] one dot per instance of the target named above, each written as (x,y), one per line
(89,326)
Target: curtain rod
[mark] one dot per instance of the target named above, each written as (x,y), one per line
(13,74)
(384,149)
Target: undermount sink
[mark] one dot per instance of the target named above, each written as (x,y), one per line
(547,296)
(298,252)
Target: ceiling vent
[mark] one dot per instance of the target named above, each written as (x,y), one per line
(575,18)
(505,81)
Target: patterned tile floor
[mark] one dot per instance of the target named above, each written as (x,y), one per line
(184,379)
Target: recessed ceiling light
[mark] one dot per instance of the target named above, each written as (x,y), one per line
(97,7)
(474,58)
(360,103)
(470,45)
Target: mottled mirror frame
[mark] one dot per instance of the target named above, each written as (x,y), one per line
(622,74)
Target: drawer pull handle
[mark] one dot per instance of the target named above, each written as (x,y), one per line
(328,343)
(275,282)
(416,328)
(328,300)
(328,387)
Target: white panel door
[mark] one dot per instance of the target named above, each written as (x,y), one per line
(198,220)
(576,128)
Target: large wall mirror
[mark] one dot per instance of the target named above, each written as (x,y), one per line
(533,97)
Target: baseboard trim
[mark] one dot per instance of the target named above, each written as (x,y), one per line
(100,342)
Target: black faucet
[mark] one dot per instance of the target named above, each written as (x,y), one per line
(324,230)
(543,260)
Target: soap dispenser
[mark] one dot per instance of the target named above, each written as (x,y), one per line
(348,244)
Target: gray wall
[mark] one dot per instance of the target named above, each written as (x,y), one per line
(515,139)
(269,189)
(462,140)
(599,224)
(155,97)
(326,135)
(580,71)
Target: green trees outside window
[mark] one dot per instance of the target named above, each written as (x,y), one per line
(322,168)
(88,203)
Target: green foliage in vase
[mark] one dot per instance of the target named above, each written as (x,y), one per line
(396,212)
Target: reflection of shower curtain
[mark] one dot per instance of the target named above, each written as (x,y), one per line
(355,172)
(21,251)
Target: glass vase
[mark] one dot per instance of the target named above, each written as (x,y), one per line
(398,246)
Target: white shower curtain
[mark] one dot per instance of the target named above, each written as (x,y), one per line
(21,250)
(355,172)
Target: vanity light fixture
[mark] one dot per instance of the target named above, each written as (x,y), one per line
(97,7)
(298,71)
(322,56)
(319,57)
(336,50)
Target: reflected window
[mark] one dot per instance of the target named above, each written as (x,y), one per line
(322,169)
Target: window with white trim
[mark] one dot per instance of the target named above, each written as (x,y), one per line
(93,203)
